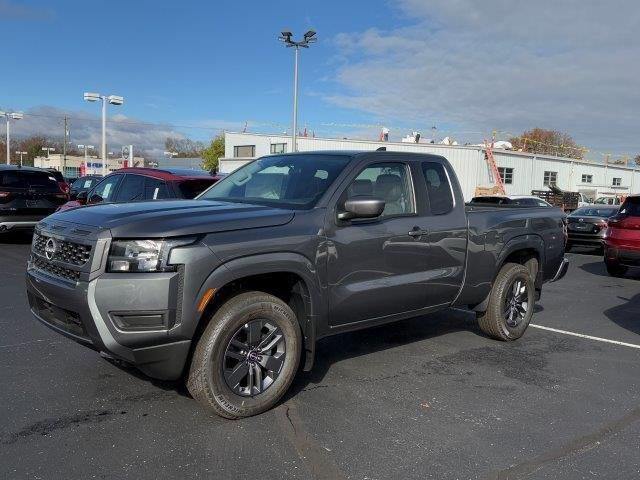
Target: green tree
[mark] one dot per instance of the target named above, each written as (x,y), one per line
(212,153)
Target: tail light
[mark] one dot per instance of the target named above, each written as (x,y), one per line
(4,194)
(625,222)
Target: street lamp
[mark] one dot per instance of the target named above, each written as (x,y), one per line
(86,158)
(48,150)
(308,38)
(21,154)
(113,100)
(10,116)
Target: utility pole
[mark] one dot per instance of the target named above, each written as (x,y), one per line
(64,148)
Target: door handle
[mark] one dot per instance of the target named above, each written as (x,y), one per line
(417,232)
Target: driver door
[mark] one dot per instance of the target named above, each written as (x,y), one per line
(375,266)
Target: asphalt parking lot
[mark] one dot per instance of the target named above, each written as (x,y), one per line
(425,398)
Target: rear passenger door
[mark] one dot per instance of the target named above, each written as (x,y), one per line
(376,267)
(446,223)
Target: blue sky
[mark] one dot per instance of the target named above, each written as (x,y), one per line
(467,67)
(189,63)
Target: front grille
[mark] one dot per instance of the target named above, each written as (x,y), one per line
(56,270)
(67,252)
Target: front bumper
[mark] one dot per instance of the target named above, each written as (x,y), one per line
(87,312)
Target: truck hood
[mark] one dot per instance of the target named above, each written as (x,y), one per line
(155,219)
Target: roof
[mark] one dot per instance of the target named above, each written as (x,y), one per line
(357,153)
(159,174)
(18,167)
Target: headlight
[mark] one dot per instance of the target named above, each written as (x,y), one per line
(143,255)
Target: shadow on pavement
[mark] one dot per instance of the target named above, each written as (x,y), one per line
(333,349)
(626,315)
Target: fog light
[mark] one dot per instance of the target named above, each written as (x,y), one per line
(139,321)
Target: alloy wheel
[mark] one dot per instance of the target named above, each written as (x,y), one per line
(254,357)
(516,303)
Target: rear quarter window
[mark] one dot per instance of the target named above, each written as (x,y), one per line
(438,188)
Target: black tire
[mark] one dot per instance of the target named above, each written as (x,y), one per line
(495,321)
(615,269)
(207,382)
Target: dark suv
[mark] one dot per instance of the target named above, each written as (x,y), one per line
(27,195)
(133,184)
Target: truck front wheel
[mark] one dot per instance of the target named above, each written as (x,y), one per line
(247,356)
(510,304)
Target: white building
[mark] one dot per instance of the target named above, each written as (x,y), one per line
(521,172)
(71,168)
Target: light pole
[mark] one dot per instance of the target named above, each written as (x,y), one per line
(21,154)
(86,158)
(48,150)
(309,37)
(10,116)
(113,100)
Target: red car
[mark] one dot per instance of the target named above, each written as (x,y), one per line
(132,184)
(622,238)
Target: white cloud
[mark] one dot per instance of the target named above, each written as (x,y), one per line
(122,130)
(506,65)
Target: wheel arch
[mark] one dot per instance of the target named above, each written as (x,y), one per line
(523,250)
(288,276)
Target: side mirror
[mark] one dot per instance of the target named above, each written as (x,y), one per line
(362,207)
(80,197)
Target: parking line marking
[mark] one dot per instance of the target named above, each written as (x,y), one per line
(588,337)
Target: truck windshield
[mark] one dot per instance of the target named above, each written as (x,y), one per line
(290,181)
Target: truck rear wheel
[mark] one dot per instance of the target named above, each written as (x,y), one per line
(510,304)
(247,356)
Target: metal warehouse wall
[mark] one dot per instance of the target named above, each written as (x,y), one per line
(468,163)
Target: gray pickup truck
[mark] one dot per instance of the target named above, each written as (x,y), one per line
(231,291)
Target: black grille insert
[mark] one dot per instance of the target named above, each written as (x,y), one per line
(56,270)
(67,252)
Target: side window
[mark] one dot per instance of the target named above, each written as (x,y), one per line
(388,181)
(438,188)
(155,189)
(132,188)
(104,191)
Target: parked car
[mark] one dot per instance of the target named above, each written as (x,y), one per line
(234,288)
(586,226)
(622,238)
(132,184)
(608,200)
(62,183)
(515,200)
(27,195)
(83,184)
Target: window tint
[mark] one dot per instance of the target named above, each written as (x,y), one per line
(132,188)
(28,179)
(631,206)
(389,182)
(594,212)
(104,191)
(155,189)
(192,188)
(438,188)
